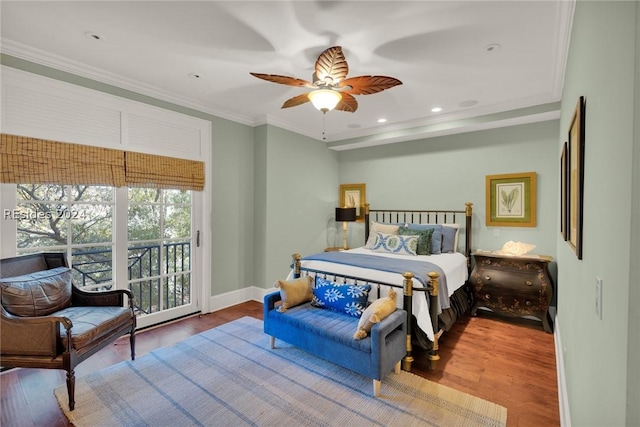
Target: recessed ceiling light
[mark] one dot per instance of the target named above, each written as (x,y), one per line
(382,120)
(436,109)
(468,103)
(94,36)
(492,47)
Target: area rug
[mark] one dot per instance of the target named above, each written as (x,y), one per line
(228,376)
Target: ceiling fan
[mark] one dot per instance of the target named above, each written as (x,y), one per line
(331,87)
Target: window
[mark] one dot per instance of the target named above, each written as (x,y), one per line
(147,231)
(76,219)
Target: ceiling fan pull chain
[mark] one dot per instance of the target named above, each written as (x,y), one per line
(324,137)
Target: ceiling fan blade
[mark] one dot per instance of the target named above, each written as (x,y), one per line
(331,66)
(296,100)
(366,85)
(283,80)
(348,103)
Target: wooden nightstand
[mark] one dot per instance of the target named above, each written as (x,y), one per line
(513,286)
(333,249)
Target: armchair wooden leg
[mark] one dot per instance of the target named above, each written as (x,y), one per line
(132,344)
(71,388)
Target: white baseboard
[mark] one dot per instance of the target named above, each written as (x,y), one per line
(250,293)
(563,397)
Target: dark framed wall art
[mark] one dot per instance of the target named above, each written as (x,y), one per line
(575,176)
(563,191)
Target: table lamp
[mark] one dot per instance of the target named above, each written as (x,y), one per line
(345,215)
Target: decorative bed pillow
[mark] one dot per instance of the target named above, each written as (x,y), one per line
(450,238)
(294,292)
(372,241)
(436,237)
(377,311)
(396,244)
(350,299)
(424,238)
(379,227)
(37,294)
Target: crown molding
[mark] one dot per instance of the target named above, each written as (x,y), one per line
(422,133)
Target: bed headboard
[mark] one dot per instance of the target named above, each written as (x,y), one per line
(438,216)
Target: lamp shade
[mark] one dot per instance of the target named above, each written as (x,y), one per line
(325,99)
(346,214)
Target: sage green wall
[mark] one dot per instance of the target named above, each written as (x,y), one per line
(296,193)
(446,172)
(633,352)
(231,187)
(232,207)
(598,353)
(260,166)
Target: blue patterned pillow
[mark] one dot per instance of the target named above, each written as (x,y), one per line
(343,298)
(396,244)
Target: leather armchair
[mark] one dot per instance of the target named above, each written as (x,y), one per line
(47,322)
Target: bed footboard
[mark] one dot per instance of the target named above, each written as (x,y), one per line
(434,289)
(408,288)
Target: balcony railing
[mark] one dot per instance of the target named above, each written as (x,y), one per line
(156,284)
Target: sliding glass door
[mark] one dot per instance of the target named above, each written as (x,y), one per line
(160,253)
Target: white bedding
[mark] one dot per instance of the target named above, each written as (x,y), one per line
(454,266)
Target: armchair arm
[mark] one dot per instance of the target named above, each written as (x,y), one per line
(113,297)
(32,336)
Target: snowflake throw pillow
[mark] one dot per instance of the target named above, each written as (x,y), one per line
(350,299)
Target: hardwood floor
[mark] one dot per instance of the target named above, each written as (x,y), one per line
(512,365)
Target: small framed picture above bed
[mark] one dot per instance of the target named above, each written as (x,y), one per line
(354,196)
(511,200)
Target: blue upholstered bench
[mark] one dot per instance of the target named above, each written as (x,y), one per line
(329,335)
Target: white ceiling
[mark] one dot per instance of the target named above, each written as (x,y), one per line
(438,49)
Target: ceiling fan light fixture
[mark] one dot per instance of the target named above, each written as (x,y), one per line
(325,99)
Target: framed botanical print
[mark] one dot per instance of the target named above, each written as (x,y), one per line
(511,200)
(354,195)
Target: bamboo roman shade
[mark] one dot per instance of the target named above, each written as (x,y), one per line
(39,161)
(145,170)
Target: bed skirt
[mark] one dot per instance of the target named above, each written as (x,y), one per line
(461,302)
